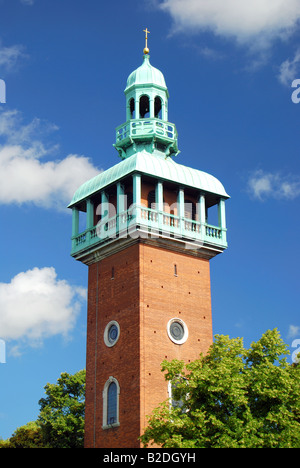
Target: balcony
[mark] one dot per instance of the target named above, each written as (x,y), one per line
(143,222)
(143,129)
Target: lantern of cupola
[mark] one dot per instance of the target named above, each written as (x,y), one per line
(147,122)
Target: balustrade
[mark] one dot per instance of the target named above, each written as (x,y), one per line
(143,127)
(149,219)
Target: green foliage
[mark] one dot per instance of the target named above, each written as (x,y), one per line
(62,412)
(28,436)
(232,397)
(61,420)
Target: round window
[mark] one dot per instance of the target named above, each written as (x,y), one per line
(177,331)
(111,333)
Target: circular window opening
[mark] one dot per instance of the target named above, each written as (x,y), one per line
(177,331)
(111,333)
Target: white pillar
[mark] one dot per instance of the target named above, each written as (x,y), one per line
(202,214)
(159,202)
(181,203)
(121,218)
(151,107)
(159,196)
(137,190)
(222,218)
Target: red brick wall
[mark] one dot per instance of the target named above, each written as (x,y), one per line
(164,296)
(143,296)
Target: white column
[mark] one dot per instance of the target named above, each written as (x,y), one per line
(137,190)
(151,107)
(137,107)
(181,203)
(159,196)
(202,214)
(222,217)
(159,202)
(180,210)
(121,219)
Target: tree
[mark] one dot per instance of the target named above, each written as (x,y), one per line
(232,397)
(28,436)
(62,412)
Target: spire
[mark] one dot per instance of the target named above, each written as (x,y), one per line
(146,50)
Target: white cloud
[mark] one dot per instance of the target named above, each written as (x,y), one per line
(294,331)
(9,56)
(25,177)
(36,305)
(262,185)
(289,69)
(245,20)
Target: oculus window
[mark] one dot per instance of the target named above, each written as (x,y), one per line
(111,333)
(177,331)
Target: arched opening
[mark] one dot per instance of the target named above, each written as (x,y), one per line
(157,107)
(144,107)
(111,403)
(132,108)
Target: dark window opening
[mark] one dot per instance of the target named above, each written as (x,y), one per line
(157,107)
(160,146)
(112,404)
(132,108)
(144,107)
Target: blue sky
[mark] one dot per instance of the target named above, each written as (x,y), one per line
(229,67)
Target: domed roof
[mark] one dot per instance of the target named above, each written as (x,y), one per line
(146,74)
(156,166)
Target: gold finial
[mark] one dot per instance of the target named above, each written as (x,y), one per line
(146,50)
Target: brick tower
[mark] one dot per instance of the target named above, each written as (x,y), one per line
(147,244)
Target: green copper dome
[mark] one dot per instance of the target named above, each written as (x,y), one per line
(153,165)
(146,74)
